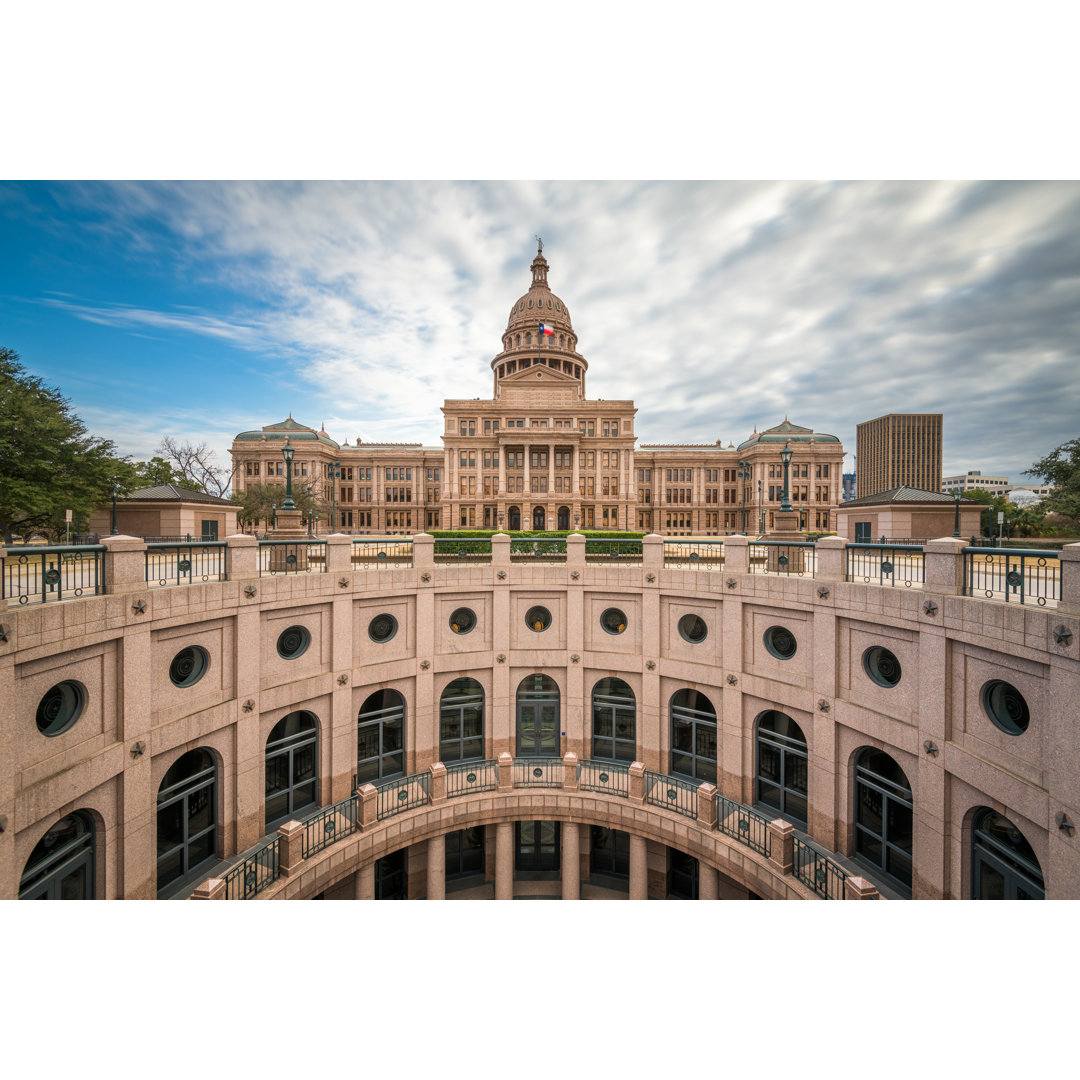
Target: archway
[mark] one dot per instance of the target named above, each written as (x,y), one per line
(564,518)
(513,519)
(538,717)
(61,866)
(539,517)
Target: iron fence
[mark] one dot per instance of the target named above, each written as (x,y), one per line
(609,777)
(793,558)
(537,772)
(451,549)
(185,564)
(743,824)
(671,793)
(292,557)
(885,565)
(43,574)
(260,869)
(376,554)
(1015,576)
(817,871)
(466,777)
(397,796)
(326,827)
(608,551)
(694,555)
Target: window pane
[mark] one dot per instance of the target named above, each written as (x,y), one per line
(870,809)
(769,763)
(200,811)
(681,737)
(170,829)
(303,764)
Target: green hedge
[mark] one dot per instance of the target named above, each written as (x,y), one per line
(485,534)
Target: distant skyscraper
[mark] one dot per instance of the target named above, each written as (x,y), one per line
(900,448)
(848,486)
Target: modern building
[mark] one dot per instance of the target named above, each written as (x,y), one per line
(849,486)
(898,450)
(541,455)
(974,480)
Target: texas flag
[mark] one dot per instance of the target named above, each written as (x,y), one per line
(545,329)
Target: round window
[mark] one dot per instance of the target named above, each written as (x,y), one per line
(613,620)
(693,628)
(538,618)
(1005,706)
(293,642)
(780,642)
(463,620)
(382,627)
(882,666)
(189,665)
(60,708)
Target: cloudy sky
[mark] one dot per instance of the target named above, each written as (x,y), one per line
(203,309)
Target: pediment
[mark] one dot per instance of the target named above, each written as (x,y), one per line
(539,375)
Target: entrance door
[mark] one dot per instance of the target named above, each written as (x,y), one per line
(564,518)
(513,518)
(538,717)
(539,518)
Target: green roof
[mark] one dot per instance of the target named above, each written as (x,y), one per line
(787,432)
(289,429)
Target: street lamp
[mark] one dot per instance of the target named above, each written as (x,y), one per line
(956,519)
(287,453)
(761,510)
(335,472)
(744,472)
(273,515)
(115,492)
(785,457)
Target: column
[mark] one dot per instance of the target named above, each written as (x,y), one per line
(504,860)
(571,861)
(528,451)
(708,882)
(639,871)
(551,473)
(436,868)
(364,883)
(502,472)
(576,480)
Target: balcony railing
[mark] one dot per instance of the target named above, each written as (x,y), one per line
(397,796)
(376,554)
(607,777)
(1012,575)
(783,557)
(292,557)
(671,793)
(876,564)
(694,555)
(743,824)
(467,777)
(260,869)
(537,772)
(43,574)
(817,871)
(453,550)
(324,827)
(538,549)
(185,564)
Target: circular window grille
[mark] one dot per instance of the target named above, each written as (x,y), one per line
(1005,706)
(538,618)
(613,620)
(882,666)
(382,628)
(693,628)
(293,642)
(780,642)
(60,708)
(189,665)
(463,620)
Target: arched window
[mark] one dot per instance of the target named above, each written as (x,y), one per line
(186,817)
(291,767)
(538,717)
(614,721)
(693,736)
(883,815)
(380,737)
(528,339)
(781,765)
(61,866)
(461,721)
(519,341)
(1003,866)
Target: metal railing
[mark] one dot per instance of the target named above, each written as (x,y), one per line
(537,772)
(1015,576)
(185,564)
(375,554)
(466,777)
(538,549)
(793,558)
(260,869)
(694,555)
(671,793)
(451,549)
(397,796)
(44,574)
(743,824)
(877,564)
(612,551)
(325,827)
(607,777)
(817,871)
(292,557)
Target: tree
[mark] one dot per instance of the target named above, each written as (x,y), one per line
(158,471)
(1018,521)
(257,502)
(49,463)
(196,465)
(1061,467)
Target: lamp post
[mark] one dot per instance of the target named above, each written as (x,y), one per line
(335,472)
(761,510)
(956,518)
(287,453)
(744,472)
(115,492)
(273,516)
(785,457)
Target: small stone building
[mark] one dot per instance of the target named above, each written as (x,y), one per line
(906,513)
(168,511)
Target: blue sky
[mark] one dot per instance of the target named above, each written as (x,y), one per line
(202,309)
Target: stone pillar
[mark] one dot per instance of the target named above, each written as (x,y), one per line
(338,554)
(289,856)
(364,882)
(652,553)
(436,868)
(706,805)
(708,882)
(575,552)
(571,861)
(504,860)
(1070,580)
(639,869)
(944,566)
(506,773)
(636,781)
(211,889)
(528,485)
(502,471)
(437,784)
(570,776)
(782,845)
(551,475)
(830,552)
(125,563)
(241,557)
(500,553)
(423,550)
(367,808)
(576,477)
(858,888)
(736,554)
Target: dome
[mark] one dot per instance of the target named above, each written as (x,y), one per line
(787,432)
(539,304)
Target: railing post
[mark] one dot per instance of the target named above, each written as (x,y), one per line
(569,772)
(241,557)
(338,553)
(289,848)
(652,552)
(636,781)
(437,784)
(125,563)
(944,566)
(1069,560)
(367,807)
(211,889)
(506,772)
(783,845)
(575,551)
(830,554)
(500,551)
(736,554)
(858,888)
(423,550)
(706,805)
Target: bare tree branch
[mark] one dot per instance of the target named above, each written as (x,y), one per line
(197,465)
